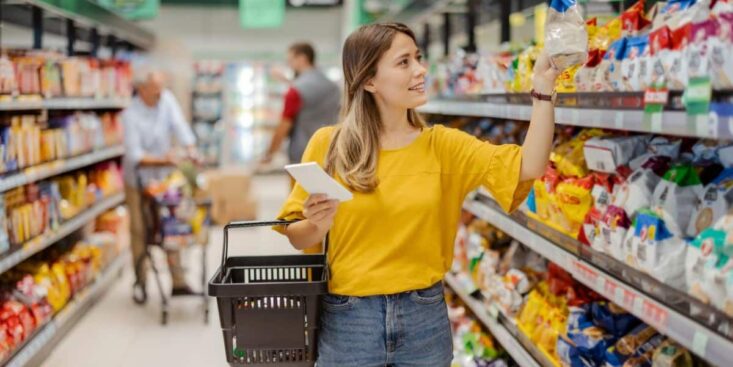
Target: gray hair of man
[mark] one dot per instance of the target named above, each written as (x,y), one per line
(141,74)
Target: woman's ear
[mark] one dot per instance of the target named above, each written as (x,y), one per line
(370,87)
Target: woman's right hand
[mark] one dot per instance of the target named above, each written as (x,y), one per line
(320,211)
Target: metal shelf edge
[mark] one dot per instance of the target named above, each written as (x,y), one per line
(45,338)
(502,335)
(669,122)
(69,164)
(36,245)
(697,338)
(65,104)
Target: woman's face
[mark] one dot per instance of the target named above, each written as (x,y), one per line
(400,78)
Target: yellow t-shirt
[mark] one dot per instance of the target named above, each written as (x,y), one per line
(401,236)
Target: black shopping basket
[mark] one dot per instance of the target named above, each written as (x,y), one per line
(269,306)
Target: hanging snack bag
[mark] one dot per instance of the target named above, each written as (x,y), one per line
(566,39)
(676,197)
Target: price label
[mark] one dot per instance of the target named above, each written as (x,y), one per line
(619,123)
(600,284)
(707,125)
(575,116)
(699,343)
(493,311)
(656,96)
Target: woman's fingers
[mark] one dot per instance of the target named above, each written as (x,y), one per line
(314,211)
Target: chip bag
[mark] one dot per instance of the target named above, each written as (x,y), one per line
(633,19)
(575,200)
(566,37)
(676,196)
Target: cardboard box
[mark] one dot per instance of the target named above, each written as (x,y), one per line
(225,211)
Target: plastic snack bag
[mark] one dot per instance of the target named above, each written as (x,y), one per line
(566,38)
(657,251)
(575,200)
(720,55)
(636,47)
(613,318)
(700,48)
(671,354)
(701,251)
(635,349)
(608,76)
(607,154)
(586,74)
(612,229)
(714,202)
(636,192)
(633,19)
(676,196)
(658,146)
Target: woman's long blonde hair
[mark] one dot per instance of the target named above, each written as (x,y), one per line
(354,149)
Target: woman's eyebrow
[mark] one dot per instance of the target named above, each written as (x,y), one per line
(408,54)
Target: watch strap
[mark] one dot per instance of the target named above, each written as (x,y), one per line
(542,97)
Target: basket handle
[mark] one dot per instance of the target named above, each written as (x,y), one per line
(252,224)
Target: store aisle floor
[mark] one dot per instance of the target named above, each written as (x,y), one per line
(116,333)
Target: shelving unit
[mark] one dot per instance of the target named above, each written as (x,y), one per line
(708,337)
(497,327)
(619,111)
(40,345)
(16,256)
(59,167)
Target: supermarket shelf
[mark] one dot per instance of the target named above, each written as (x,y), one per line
(673,322)
(668,122)
(38,347)
(85,14)
(50,169)
(32,247)
(498,330)
(65,104)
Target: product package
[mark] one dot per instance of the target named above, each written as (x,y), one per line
(631,73)
(635,349)
(676,196)
(699,52)
(608,76)
(636,192)
(671,354)
(657,251)
(715,201)
(566,37)
(607,154)
(720,56)
(704,249)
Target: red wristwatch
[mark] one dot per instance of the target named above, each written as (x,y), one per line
(544,97)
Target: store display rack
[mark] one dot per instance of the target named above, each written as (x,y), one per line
(699,327)
(37,347)
(15,256)
(65,104)
(617,111)
(522,351)
(54,168)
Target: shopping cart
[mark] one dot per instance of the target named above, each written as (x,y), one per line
(161,219)
(269,306)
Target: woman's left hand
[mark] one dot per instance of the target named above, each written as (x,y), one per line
(545,75)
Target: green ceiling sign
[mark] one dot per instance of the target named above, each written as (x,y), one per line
(133,9)
(261,13)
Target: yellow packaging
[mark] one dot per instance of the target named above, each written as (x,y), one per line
(565,83)
(606,35)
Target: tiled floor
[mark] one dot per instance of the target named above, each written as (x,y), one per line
(116,333)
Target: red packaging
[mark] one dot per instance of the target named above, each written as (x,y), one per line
(633,19)
(660,39)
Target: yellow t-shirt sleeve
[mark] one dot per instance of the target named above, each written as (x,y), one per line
(315,151)
(477,163)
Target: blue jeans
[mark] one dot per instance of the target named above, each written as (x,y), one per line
(406,329)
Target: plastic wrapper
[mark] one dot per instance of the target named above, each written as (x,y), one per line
(699,52)
(609,77)
(658,147)
(715,201)
(633,19)
(671,354)
(589,340)
(675,198)
(636,48)
(613,318)
(720,56)
(704,249)
(575,200)
(566,38)
(607,154)
(660,44)
(586,74)
(657,251)
(568,157)
(636,192)
(635,349)
(612,229)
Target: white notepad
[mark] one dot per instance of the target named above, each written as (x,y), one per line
(316,181)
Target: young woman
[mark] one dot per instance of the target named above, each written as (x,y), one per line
(392,244)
